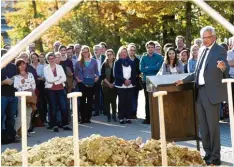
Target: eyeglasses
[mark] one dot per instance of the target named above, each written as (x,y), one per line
(109,54)
(85,52)
(51,58)
(208,37)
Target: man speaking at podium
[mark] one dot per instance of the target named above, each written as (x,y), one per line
(211,68)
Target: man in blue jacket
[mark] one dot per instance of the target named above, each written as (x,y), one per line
(150,64)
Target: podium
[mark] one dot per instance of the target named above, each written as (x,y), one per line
(179,108)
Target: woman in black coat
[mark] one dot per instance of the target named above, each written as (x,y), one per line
(125,81)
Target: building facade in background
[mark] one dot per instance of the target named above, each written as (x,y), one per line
(6,6)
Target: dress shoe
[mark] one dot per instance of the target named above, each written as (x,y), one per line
(81,122)
(87,121)
(146,121)
(49,127)
(55,129)
(207,157)
(128,121)
(121,121)
(213,162)
(67,128)
(30,129)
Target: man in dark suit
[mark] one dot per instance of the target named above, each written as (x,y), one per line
(211,68)
(98,88)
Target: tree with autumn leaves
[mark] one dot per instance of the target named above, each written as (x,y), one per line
(116,22)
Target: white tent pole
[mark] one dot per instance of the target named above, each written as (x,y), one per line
(229,82)
(36,33)
(215,15)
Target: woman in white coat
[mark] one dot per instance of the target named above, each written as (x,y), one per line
(55,83)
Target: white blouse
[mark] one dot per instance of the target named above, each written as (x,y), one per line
(51,79)
(28,84)
(127,75)
(173,70)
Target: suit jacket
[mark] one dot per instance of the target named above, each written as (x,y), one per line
(103,57)
(216,91)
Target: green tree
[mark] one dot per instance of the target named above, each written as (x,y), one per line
(2,41)
(117,22)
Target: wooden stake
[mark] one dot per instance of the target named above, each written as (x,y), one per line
(160,95)
(24,132)
(74,96)
(231,114)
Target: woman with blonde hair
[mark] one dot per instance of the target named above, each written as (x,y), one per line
(86,74)
(55,84)
(125,81)
(109,91)
(193,58)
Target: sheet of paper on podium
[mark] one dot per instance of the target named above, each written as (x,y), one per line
(164,79)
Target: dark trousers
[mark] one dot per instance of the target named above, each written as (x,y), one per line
(135,101)
(57,98)
(98,103)
(8,112)
(77,89)
(42,105)
(125,102)
(87,95)
(147,112)
(110,96)
(233,92)
(208,117)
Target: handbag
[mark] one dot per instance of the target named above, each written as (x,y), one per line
(31,99)
(89,82)
(69,72)
(140,84)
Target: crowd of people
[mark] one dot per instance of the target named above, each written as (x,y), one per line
(101,76)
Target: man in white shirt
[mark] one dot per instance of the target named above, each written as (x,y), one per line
(77,48)
(211,68)
(98,88)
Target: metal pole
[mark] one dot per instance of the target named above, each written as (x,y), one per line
(215,15)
